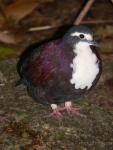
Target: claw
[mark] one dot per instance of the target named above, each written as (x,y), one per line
(71,110)
(56,111)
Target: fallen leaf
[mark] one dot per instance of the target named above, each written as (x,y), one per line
(21,8)
(6,52)
(7,38)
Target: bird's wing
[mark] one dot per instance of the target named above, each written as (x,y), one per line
(48,63)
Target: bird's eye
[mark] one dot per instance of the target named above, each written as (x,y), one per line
(81,36)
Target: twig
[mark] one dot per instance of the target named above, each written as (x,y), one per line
(32,29)
(42,28)
(77,21)
(7,38)
(83,12)
(96,21)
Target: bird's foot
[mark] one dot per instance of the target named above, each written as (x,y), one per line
(72,110)
(56,112)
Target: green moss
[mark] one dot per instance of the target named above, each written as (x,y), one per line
(6,52)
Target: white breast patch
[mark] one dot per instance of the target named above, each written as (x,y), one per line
(85,67)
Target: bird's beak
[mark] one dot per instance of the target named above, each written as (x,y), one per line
(94,43)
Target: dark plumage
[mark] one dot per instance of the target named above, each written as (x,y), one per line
(46,71)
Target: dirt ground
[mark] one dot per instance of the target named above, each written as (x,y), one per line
(24,124)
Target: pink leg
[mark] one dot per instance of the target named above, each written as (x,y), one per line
(71,110)
(56,111)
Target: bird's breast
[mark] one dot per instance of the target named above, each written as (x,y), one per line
(85,69)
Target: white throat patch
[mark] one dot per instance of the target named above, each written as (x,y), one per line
(85,66)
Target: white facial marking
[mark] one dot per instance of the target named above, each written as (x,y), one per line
(86,35)
(85,66)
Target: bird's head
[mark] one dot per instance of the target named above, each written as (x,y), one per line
(80,36)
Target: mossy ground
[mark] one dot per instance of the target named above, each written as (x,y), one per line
(25,125)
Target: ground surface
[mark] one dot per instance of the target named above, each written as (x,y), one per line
(24,124)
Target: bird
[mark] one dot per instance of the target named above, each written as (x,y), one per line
(60,71)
